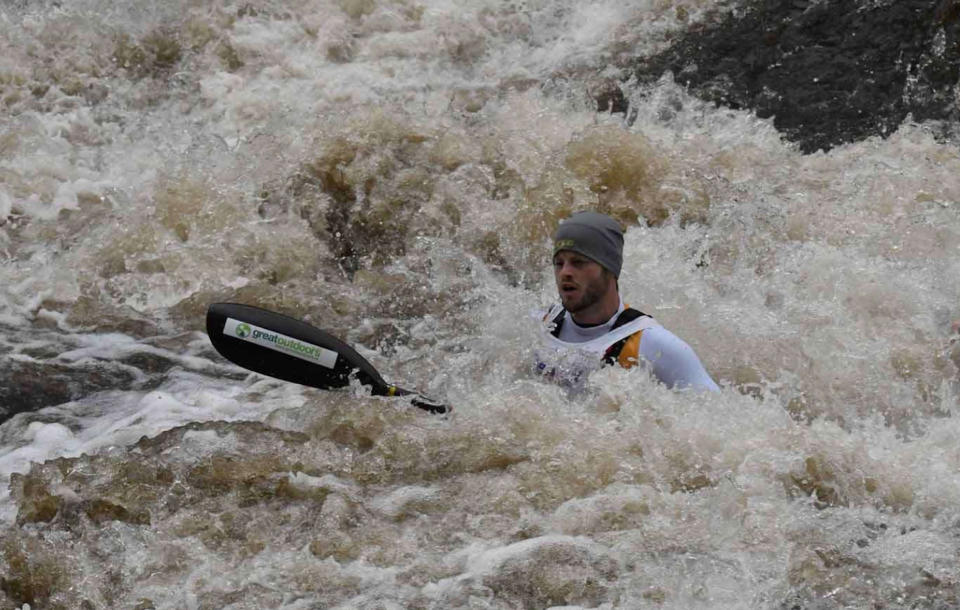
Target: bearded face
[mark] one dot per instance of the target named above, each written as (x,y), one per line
(581,282)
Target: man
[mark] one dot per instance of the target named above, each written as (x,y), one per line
(593,321)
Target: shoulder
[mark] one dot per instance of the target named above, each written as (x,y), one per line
(659,341)
(673,361)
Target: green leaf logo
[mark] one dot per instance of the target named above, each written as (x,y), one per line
(243,330)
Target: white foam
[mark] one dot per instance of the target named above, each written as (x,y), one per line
(399,501)
(812,288)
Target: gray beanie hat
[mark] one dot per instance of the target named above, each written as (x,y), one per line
(594,235)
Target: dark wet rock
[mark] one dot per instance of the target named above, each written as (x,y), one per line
(29,385)
(41,367)
(32,377)
(828,72)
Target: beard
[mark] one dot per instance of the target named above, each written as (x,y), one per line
(590,294)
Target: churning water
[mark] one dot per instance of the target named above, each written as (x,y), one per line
(391,171)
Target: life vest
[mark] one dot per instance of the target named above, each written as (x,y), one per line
(621,345)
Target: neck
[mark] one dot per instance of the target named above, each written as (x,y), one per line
(599,312)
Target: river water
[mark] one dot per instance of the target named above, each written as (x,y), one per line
(391,171)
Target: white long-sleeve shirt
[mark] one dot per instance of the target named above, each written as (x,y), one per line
(666,355)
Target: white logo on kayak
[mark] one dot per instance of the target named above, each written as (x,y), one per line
(280,343)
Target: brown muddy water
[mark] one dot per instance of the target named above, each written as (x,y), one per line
(391,171)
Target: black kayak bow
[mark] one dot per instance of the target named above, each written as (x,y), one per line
(286,348)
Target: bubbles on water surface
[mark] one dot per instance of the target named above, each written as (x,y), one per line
(392,172)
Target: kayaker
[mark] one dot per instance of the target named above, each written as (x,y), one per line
(591,326)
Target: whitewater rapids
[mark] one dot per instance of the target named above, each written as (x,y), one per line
(391,171)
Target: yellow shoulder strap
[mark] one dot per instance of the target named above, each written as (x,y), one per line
(630,354)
